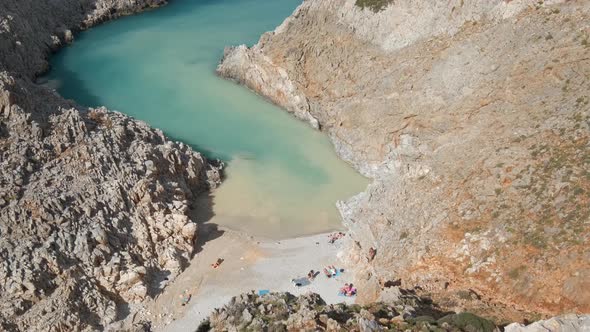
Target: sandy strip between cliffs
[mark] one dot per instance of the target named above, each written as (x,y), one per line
(250,264)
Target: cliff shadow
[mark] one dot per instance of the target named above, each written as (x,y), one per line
(421,302)
(201,210)
(213,156)
(71,86)
(54,95)
(202,213)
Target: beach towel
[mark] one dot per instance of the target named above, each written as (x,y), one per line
(338,273)
(263,292)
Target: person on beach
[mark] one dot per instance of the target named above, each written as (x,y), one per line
(333,270)
(330,271)
(217,263)
(311,275)
(335,236)
(348,290)
(185,297)
(344,289)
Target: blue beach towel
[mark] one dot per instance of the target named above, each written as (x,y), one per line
(338,273)
(263,292)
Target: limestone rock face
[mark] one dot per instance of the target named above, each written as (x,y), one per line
(285,312)
(472,117)
(31,29)
(570,322)
(94,205)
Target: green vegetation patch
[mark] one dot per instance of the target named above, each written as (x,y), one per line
(516,272)
(267,313)
(375,5)
(468,322)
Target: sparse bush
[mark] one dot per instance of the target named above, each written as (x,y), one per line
(375,5)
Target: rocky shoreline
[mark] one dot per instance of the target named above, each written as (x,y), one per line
(95,207)
(472,119)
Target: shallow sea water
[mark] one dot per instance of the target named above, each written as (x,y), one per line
(283,177)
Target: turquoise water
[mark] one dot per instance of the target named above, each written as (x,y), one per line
(283,178)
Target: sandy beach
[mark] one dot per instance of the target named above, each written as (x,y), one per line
(250,264)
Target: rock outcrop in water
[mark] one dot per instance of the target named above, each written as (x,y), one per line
(472,117)
(94,206)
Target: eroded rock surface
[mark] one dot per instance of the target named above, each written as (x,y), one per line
(285,312)
(472,117)
(570,322)
(94,206)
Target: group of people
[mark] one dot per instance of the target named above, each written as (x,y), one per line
(348,290)
(329,271)
(335,236)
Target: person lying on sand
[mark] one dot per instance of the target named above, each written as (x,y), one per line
(344,289)
(217,263)
(348,290)
(185,297)
(330,271)
(333,270)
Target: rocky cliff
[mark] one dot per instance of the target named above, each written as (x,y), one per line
(472,117)
(285,312)
(94,206)
(408,312)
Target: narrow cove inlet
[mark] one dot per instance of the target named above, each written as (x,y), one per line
(282,178)
(157,178)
